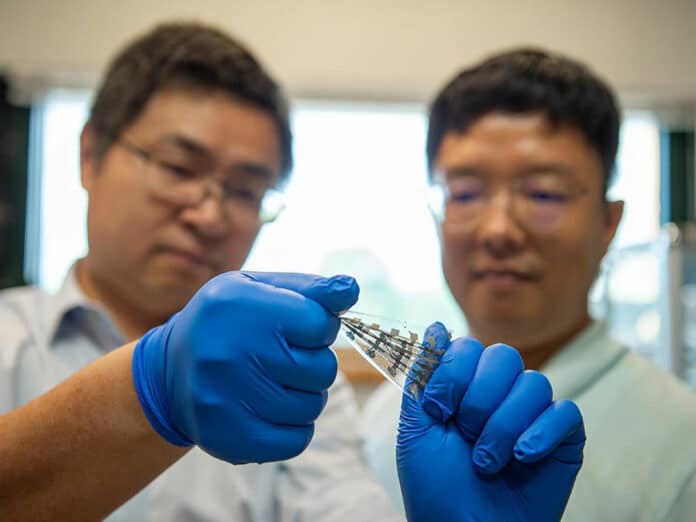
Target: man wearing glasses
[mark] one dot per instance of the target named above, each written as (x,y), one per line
(187,142)
(521,148)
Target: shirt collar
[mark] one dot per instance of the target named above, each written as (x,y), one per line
(583,361)
(71,303)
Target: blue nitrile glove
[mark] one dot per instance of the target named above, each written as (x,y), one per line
(243,369)
(484,441)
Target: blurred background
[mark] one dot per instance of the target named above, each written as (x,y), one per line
(360,75)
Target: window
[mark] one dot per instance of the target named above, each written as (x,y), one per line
(356,202)
(637,179)
(60,236)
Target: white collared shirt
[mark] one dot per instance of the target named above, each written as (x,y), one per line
(640,455)
(45,339)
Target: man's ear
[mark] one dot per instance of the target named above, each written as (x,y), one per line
(613,212)
(88,156)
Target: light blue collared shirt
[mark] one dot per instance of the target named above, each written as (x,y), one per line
(640,456)
(45,339)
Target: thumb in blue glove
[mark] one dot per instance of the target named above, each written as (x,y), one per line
(243,369)
(485,441)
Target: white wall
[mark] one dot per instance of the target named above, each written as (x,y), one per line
(373,48)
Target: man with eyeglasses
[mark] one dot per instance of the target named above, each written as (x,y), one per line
(186,144)
(521,148)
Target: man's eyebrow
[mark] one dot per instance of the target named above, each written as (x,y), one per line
(188,144)
(254,169)
(243,167)
(461,171)
(548,168)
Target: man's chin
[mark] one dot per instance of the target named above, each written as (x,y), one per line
(509,323)
(510,307)
(170,294)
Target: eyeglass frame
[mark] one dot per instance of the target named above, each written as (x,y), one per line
(148,157)
(439,197)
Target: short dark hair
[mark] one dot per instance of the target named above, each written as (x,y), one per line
(529,80)
(186,55)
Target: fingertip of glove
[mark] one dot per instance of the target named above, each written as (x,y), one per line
(436,328)
(485,460)
(435,409)
(437,333)
(343,292)
(344,283)
(525,450)
(343,279)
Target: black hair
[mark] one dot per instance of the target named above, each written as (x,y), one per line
(186,55)
(529,80)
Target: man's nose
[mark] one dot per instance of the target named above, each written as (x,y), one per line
(499,228)
(208,216)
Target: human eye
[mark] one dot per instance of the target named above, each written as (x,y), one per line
(464,197)
(464,190)
(176,164)
(547,196)
(546,190)
(179,163)
(245,194)
(177,169)
(248,193)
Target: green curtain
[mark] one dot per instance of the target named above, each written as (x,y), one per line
(678,198)
(14,141)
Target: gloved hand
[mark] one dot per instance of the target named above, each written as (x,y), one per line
(484,441)
(243,369)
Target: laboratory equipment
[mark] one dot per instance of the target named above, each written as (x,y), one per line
(393,348)
(650,298)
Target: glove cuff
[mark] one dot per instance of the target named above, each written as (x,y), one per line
(147,377)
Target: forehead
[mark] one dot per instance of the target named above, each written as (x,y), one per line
(229,129)
(500,143)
